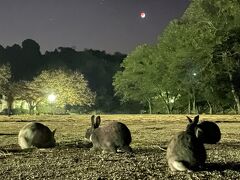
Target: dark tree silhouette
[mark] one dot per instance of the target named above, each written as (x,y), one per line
(98,67)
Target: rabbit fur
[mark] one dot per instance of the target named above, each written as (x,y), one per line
(36,135)
(113,136)
(185,151)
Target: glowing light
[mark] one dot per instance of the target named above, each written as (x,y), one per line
(143,15)
(51,98)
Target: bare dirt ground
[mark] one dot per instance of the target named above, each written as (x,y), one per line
(72,158)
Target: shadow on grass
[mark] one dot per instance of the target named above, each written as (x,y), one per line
(8,134)
(150,149)
(229,145)
(15,148)
(75,144)
(235,166)
(154,128)
(36,120)
(226,122)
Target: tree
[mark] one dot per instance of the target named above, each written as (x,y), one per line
(68,86)
(142,78)
(5,75)
(187,56)
(132,83)
(195,35)
(31,57)
(226,64)
(97,67)
(31,93)
(21,57)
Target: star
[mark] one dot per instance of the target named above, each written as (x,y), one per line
(101,2)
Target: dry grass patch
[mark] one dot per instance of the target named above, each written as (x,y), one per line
(71,159)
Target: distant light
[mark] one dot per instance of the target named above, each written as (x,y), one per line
(51,98)
(143,15)
(194,74)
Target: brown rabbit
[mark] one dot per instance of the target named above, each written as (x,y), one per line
(185,151)
(109,137)
(36,135)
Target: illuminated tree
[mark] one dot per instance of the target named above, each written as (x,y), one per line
(69,87)
(6,86)
(31,93)
(5,75)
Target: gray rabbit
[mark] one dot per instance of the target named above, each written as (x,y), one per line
(36,135)
(208,132)
(185,151)
(110,137)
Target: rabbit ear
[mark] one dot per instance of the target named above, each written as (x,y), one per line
(98,121)
(189,119)
(54,131)
(196,119)
(92,120)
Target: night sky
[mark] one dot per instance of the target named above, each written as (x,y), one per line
(110,25)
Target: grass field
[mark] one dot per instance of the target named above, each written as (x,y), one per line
(71,158)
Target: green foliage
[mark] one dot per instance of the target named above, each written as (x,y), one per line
(145,78)
(194,63)
(133,83)
(8,88)
(5,75)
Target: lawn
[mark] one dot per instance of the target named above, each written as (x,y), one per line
(71,158)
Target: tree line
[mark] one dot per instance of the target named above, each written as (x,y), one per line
(81,80)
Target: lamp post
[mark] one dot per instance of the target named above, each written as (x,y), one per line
(194,92)
(51,99)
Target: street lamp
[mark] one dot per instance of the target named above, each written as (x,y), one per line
(51,99)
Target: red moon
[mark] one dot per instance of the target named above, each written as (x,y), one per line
(143,15)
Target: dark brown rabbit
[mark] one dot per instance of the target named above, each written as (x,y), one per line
(110,137)
(36,135)
(185,151)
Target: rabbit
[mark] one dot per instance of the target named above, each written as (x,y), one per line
(110,137)
(185,151)
(36,135)
(208,132)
